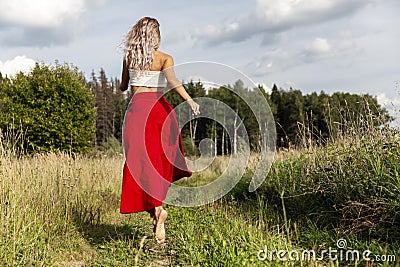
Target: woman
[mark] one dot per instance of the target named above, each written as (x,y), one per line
(152,141)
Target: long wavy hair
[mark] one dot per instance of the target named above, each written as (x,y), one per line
(141,42)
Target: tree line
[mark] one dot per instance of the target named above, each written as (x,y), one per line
(57,108)
(316,116)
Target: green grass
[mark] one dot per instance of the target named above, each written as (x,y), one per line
(63,210)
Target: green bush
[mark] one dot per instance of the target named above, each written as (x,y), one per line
(51,107)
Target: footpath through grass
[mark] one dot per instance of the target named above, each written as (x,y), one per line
(62,210)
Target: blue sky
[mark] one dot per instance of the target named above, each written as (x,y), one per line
(311,45)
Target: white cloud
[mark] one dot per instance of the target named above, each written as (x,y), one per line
(277,53)
(321,49)
(266,87)
(207,83)
(39,13)
(321,46)
(271,17)
(318,49)
(302,11)
(263,67)
(386,101)
(289,56)
(392,105)
(268,62)
(41,22)
(16,65)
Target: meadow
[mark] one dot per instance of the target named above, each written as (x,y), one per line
(61,209)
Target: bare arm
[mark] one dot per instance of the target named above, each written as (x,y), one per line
(168,69)
(125,77)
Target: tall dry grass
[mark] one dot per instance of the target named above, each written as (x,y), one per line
(44,198)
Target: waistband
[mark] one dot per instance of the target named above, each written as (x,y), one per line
(149,96)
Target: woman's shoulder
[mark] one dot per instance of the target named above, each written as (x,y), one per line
(166,59)
(164,56)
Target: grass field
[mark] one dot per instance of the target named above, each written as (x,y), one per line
(58,209)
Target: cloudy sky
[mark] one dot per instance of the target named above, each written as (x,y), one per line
(311,45)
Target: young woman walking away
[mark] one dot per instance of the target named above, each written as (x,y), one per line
(154,154)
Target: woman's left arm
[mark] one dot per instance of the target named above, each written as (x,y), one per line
(168,69)
(125,77)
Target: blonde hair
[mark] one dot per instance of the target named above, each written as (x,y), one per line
(141,42)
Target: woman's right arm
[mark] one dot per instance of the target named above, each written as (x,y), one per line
(125,77)
(168,69)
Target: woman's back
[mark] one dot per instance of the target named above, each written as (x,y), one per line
(153,79)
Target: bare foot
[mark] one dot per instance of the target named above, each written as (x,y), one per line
(154,224)
(153,215)
(160,229)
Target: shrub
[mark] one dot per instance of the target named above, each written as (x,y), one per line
(51,107)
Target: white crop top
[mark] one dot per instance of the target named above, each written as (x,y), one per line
(147,78)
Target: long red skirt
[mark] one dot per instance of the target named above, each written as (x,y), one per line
(154,154)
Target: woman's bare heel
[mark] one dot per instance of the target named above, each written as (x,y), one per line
(160,229)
